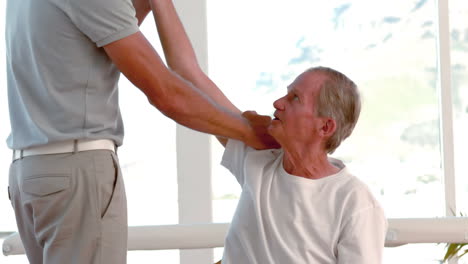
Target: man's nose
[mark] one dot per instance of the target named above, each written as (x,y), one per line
(278,104)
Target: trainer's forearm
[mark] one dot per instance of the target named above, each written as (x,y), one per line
(194,109)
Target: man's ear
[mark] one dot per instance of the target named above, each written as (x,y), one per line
(328,127)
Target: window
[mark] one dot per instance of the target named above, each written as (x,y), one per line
(389,48)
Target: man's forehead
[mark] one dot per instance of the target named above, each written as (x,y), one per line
(307,80)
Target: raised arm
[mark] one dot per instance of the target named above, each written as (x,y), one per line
(180,55)
(179,52)
(172,95)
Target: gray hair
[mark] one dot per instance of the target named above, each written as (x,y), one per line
(338,99)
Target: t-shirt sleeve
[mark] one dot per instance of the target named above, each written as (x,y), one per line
(363,237)
(234,159)
(103,21)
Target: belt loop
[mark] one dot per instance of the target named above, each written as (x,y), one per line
(75,146)
(115,148)
(21,154)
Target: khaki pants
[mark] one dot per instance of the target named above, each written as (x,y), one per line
(70,208)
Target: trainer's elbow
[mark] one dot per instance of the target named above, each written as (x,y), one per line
(166,104)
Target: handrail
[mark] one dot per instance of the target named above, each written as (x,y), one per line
(6,234)
(196,236)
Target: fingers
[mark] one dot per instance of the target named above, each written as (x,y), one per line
(255,118)
(248,114)
(260,124)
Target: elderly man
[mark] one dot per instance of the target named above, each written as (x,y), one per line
(297,204)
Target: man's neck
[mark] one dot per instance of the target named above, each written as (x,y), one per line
(309,164)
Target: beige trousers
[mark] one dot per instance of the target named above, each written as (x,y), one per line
(70,208)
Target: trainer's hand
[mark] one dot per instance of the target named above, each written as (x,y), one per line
(259,124)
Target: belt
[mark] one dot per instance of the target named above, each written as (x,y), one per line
(68,146)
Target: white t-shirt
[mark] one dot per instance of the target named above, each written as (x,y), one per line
(286,219)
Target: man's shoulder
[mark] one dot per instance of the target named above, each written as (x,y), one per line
(357,195)
(264,156)
(351,190)
(269,153)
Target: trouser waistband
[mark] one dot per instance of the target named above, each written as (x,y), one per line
(68,146)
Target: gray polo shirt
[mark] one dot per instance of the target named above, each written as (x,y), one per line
(61,83)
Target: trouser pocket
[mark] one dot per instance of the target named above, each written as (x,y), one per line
(46,198)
